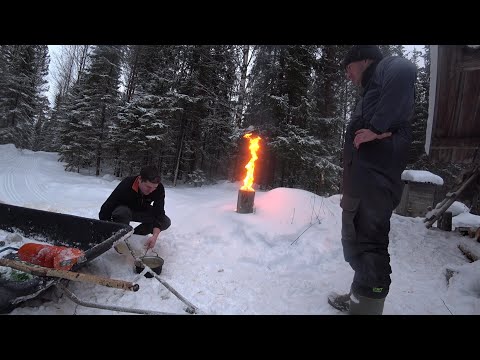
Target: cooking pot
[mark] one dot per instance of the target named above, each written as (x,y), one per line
(153,262)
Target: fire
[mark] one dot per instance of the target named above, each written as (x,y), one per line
(254,146)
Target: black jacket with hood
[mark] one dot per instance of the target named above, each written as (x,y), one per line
(128,193)
(386,105)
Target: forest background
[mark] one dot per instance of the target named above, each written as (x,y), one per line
(186,108)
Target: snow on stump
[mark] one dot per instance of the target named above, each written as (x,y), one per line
(420,193)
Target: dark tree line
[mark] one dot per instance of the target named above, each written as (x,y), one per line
(23,103)
(185,109)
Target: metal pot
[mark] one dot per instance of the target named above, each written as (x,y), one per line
(153,262)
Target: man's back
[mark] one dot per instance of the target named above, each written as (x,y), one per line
(389,98)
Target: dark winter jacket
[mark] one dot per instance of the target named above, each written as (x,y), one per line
(128,193)
(386,105)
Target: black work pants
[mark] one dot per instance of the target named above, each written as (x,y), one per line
(365,230)
(123,214)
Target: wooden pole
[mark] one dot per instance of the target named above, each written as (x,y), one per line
(469,252)
(69,275)
(435,214)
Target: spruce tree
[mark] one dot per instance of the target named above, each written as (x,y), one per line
(23,69)
(91,109)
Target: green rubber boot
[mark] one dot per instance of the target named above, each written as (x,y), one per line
(362,305)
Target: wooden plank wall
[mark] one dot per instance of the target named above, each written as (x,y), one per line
(456,133)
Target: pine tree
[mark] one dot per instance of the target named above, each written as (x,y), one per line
(67,67)
(285,104)
(41,87)
(91,109)
(141,136)
(334,99)
(205,92)
(23,69)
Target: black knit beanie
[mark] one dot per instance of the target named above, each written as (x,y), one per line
(362,52)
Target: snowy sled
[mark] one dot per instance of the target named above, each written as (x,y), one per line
(92,236)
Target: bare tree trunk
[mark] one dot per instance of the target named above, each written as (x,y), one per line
(272,168)
(242,89)
(103,123)
(132,72)
(177,166)
(82,60)
(100,142)
(345,106)
(67,66)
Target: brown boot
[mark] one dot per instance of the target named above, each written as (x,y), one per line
(338,301)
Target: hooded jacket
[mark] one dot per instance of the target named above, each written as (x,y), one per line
(386,105)
(128,193)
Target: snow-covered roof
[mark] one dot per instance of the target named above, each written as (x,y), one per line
(422,176)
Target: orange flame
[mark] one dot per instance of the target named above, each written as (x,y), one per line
(254,146)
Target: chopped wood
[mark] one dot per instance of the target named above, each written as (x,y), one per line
(463,230)
(470,252)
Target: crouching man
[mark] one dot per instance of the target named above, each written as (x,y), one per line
(132,201)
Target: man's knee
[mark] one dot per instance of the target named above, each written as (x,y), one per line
(373,290)
(147,227)
(372,280)
(143,229)
(165,223)
(122,214)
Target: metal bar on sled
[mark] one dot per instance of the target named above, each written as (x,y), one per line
(76,300)
(191,309)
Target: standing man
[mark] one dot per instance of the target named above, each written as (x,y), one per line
(375,153)
(132,201)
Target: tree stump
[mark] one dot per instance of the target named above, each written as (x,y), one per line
(445,221)
(245,201)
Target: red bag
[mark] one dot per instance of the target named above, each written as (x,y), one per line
(55,257)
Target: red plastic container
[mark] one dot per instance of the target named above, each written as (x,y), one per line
(55,257)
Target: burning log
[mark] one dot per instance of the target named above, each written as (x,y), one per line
(246,194)
(245,201)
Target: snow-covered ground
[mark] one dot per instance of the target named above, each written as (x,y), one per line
(282,259)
